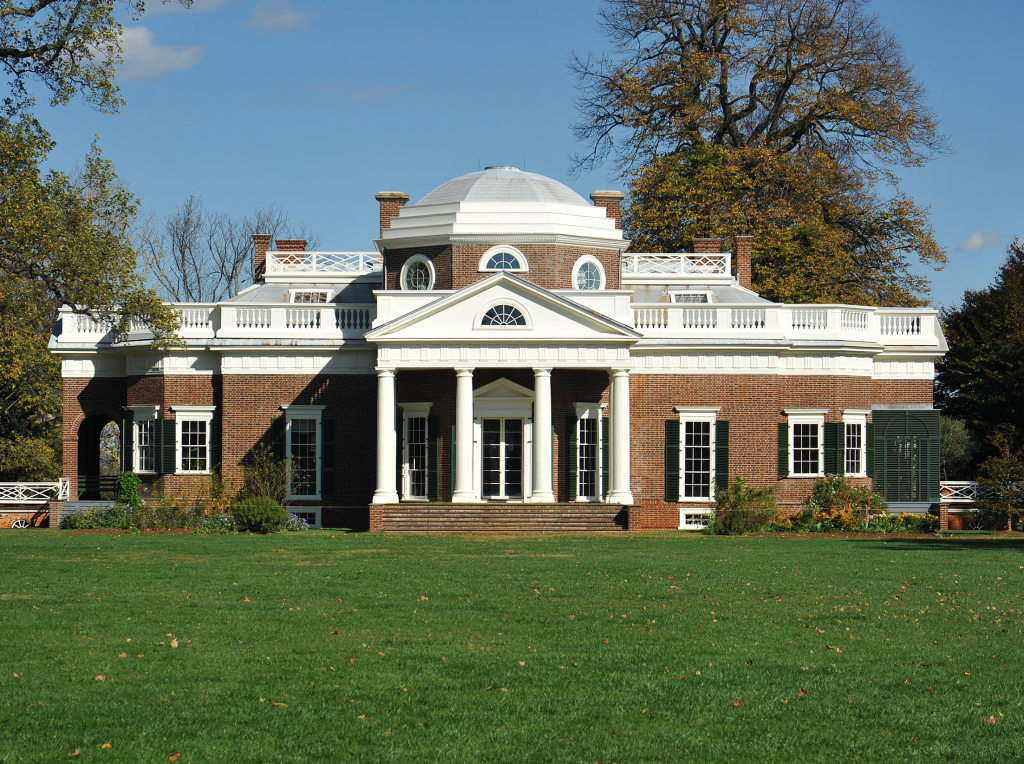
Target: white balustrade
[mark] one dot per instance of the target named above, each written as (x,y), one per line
(699,318)
(747,318)
(899,324)
(34,493)
(809,319)
(677,264)
(958,491)
(650,318)
(854,320)
(320,262)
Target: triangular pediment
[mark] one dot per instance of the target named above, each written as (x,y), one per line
(459,317)
(503,389)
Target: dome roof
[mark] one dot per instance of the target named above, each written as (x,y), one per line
(503,184)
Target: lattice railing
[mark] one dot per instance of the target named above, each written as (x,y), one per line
(676,265)
(320,262)
(34,493)
(958,491)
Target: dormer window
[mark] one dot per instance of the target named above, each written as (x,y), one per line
(310,297)
(503,258)
(692,298)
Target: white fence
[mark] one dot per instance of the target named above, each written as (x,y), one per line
(34,493)
(679,264)
(958,492)
(336,263)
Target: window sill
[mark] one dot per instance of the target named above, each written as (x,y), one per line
(189,472)
(806,477)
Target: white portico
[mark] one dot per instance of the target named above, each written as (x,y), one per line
(503,431)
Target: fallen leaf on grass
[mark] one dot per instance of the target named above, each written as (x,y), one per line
(282,705)
(335,633)
(174,757)
(105,745)
(522,663)
(76,752)
(736,703)
(100,678)
(174,643)
(785,700)
(604,641)
(803,692)
(123,655)
(992,720)
(381,654)
(247,600)
(351,660)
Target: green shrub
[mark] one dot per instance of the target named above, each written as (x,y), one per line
(741,509)
(264,475)
(128,484)
(836,504)
(259,514)
(106,518)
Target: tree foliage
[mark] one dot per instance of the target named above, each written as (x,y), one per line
(1001,479)
(780,119)
(70,46)
(981,377)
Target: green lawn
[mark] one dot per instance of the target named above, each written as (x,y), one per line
(328,646)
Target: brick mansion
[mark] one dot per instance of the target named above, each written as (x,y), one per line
(503,360)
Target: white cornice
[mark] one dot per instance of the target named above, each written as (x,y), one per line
(443,239)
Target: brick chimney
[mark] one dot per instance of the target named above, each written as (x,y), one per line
(260,245)
(612,203)
(290,245)
(744,274)
(390,204)
(707,246)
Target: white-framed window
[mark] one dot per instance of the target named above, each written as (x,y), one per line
(697,452)
(192,429)
(417,274)
(309,296)
(415,439)
(504,315)
(589,451)
(691,298)
(693,519)
(588,274)
(303,445)
(806,442)
(310,514)
(504,258)
(145,454)
(855,434)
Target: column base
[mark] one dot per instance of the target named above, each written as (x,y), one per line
(547,497)
(464,497)
(620,498)
(385,497)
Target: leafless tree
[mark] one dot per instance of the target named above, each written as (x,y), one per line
(201,255)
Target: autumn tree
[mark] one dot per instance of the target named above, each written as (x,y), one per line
(781,119)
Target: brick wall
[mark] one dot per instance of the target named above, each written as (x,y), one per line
(101,397)
(441,257)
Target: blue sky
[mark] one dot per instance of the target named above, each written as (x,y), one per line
(317,105)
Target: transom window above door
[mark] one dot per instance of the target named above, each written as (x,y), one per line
(503,258)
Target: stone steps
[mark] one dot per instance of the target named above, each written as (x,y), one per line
(562,518)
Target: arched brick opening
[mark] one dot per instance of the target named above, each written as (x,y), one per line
(96,474)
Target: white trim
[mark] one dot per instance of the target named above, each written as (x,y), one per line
(144,413)
(693,526)
(524,266)
(807,416)
(505,300)
(192,414)
(516,403)
(292,412)
(414,411)
(417,258)
(707,414)
(576,269)
(591,411)
(856,416)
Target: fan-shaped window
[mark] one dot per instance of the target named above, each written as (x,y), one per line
(503,315)
(503,261)
(587,274)
(503,258)
(417,274)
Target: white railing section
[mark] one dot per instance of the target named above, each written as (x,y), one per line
(958,491)
(195,317)
(677,264)
(34,493)
(320,262)
(902,326)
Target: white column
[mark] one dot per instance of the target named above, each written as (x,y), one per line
(543,489)
(619,492)
(387,491)
(463,491)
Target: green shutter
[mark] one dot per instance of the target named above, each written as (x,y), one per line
(277,437)
(783,449)
(213,440)
(433,431)
(168,446)
(933,421)
(127,451)
(869,434)
(721,456)
(571,457)
(841,449)
(327,459)
(832,448)
(453,460)
(399,452)
(671,460)
(606,452)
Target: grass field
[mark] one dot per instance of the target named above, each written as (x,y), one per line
(327,646)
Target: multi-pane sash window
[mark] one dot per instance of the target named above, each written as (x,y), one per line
(806,449)
(854,447)
(304,455)
(416,456)
(194,445)
(696,460)
(145,445)
(502,453)
(588,465)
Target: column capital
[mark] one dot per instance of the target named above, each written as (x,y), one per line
(384,371)
(464,371)
(542,371)
(618,372)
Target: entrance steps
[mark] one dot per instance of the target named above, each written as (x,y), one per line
(499,518)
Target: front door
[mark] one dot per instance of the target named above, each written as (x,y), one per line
(502,457)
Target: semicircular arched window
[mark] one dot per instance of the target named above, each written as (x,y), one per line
(503,315)
(504,261)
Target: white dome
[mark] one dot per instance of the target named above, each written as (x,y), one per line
(503,184)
